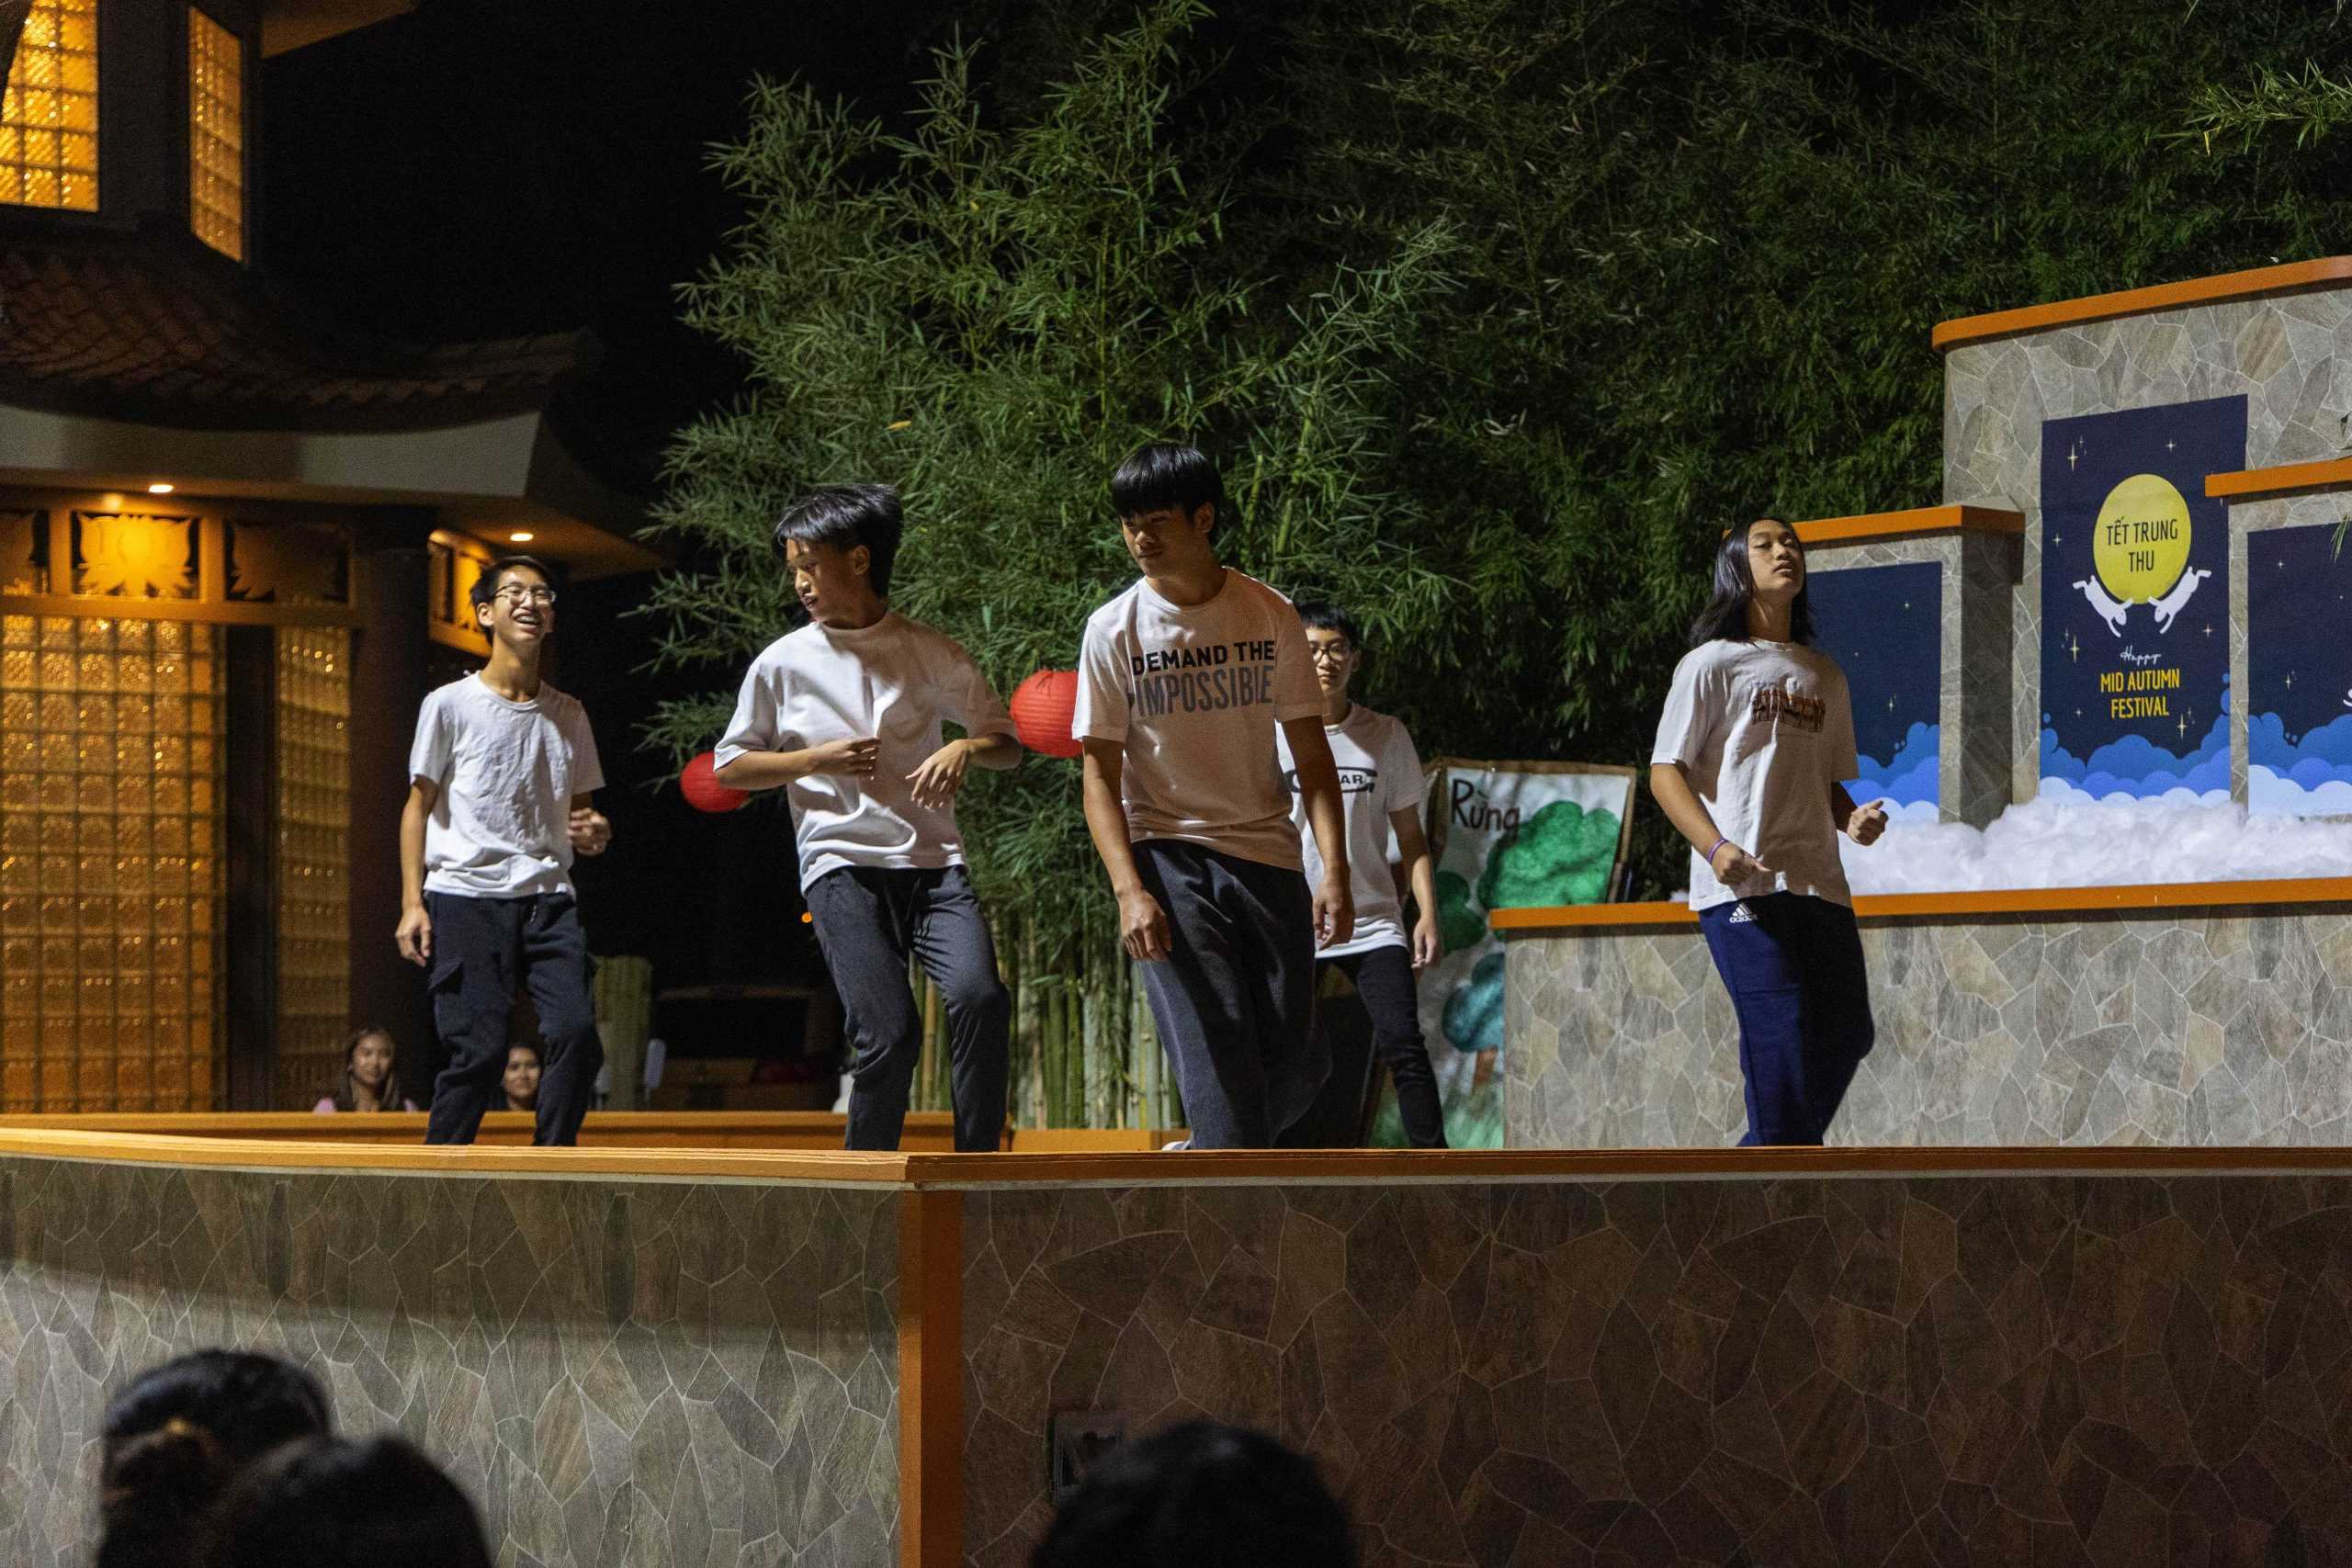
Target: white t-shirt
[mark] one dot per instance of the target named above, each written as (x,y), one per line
(894,682)
(1380,773)
(1196,695)
(508,774)
(1763,729)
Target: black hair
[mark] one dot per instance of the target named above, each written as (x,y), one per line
(538,1053)
(1324,617)
(1199,1496)
(173,1440)
(1727,612)
(845,516)
(1167,473)
(485,588)
(387,1094)
(333,1502)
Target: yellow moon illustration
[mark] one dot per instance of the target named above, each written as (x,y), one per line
(2140,543)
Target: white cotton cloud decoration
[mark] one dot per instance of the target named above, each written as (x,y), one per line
(2051,843)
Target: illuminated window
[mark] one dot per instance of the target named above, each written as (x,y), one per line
(313,863)
(110,870)
(216,135)
(49,120)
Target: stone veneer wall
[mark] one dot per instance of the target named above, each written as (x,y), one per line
(616,1373)
(2291,357)
(1980,575)
(2200,1027)
(1918,1370)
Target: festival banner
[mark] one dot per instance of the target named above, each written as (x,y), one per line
(2135,603)
(1884,625)
(1505,835)
(2299,672)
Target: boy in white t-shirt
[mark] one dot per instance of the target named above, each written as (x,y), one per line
(1184,680)
(500,779)
(844,713)
(1380,778)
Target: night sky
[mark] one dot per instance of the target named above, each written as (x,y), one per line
(1883,625)
(2082,460)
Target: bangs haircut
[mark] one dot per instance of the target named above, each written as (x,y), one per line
(1323,616)
(843,517)
(1167,473)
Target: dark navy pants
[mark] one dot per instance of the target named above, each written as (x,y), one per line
(1382,977)
(1235,998)
(868,919)
(1793,966)
(484,949)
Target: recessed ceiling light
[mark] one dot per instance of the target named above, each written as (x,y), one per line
(159,487)
(521,536)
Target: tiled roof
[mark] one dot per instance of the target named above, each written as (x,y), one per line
(151,328)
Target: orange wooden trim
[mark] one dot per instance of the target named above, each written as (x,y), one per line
(930,1378)
(2289,278)
(1902,524)
(831,1166)
(1314,1167)
(2243,484)
(955,1172)
(926,1131)
(1991,901)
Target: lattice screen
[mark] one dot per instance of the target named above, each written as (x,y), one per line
(49,118)
(110,870)
(313,859)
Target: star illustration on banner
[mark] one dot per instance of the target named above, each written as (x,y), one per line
(2074,647)
(2074,455)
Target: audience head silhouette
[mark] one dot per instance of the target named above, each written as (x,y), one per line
(1199,1495)
(175,1436)
(333,1502)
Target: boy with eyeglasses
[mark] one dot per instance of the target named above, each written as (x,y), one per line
(502,776)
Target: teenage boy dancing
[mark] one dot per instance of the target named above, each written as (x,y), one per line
(1184,680)
(844,713)
(500,777)
(1380,779)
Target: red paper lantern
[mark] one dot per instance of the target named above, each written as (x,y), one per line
(1042,707)
(703,792)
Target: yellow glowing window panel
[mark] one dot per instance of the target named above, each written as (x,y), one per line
(49,118)
(111,875)
(313,866)
(216,135)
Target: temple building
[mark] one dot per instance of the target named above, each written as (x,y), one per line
(235,546)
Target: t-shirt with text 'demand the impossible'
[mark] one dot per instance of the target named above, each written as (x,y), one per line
(500,826)
(1380,775)
(1195,694)
(892,681)
(1763,729)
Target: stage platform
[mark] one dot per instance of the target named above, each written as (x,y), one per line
(731,1356)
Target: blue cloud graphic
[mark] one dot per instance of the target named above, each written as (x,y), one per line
(1911,776)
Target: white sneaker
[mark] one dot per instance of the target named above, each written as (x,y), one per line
(1179,1144)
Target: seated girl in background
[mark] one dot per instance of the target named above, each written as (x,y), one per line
(371,1079)
(521,1079)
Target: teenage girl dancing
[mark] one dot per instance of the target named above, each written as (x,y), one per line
(1756,737)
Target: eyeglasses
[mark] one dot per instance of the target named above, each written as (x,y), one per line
(515,594)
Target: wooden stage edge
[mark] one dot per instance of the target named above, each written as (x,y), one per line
(2122,899)
(917,1172)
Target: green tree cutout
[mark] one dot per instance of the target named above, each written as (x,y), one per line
(988,312)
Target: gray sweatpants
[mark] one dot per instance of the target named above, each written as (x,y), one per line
(866,918)
(1234,997)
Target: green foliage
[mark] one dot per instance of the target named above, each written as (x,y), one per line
(988,312)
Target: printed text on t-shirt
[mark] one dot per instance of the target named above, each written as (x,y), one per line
(1796,711)
(1202,679)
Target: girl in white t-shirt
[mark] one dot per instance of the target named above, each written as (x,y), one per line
(1752,752)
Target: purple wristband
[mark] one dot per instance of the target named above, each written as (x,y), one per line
(1711,853)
